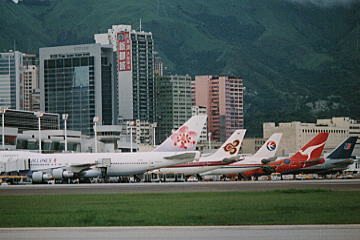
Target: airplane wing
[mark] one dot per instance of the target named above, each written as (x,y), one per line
(77,168)
(233,159)
(74,167)
(83,165)
(268,169)
(345,162)
(267,160)
(313,160)
(182,156)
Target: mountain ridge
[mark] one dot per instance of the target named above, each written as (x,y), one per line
(299,61)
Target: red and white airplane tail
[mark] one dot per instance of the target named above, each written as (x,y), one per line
(186,137)
(312,150)
(229,149)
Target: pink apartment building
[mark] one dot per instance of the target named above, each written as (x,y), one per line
(223,98)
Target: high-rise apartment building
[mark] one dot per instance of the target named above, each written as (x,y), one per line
(78,80)
(30,84)
(158,65)
(30,59)
(223,98)
(135,71)
(173,97)
(35,100)
(11,79)
(200,110)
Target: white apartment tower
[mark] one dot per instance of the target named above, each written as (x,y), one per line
(30,83)
(135,71)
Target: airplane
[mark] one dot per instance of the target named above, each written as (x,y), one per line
(264,155)
(337,160)
(308,155)
(62,166)
(226,154)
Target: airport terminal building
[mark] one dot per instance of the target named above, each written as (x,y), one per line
(297,134)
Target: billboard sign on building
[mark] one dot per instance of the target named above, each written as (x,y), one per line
(124,51)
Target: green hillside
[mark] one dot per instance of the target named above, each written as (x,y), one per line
(299,61)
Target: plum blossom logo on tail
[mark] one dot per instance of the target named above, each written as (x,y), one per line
(184,138)
(307,152)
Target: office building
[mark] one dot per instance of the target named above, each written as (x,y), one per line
(173,97)
(134,71)
(11,79)
(223,98)
(78,80)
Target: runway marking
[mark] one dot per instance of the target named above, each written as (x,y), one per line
(240,227)
(343,185)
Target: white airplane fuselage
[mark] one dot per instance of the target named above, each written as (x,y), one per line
(249,163)
(120,163)
(190,170)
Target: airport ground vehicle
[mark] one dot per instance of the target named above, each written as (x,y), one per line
(155,176)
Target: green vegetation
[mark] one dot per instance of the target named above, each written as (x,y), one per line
(291,55)
(155,209)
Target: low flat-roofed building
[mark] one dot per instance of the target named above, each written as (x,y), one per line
(297,134)
(251,145)
(27,120)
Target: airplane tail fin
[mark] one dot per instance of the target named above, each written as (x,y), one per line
(229,148)
(344,150)
(186,137)
(313,149)
(268,150)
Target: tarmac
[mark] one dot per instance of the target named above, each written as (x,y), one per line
(106,188)
(271,232)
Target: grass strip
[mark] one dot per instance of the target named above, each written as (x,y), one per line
(292,206)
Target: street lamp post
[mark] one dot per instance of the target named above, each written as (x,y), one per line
(95,120)
(3,110)
(39,115)
(131,136)
(65,117)
(154,138)
(209,139)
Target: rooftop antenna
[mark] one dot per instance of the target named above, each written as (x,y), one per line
(14,45)
(140,24)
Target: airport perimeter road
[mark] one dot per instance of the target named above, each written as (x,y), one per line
(294,232)
(344,185)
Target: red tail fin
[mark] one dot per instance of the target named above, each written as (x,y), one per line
(313,149)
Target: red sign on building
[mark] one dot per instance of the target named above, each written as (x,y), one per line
(124,51)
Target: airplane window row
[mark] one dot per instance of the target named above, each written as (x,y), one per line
(122,163)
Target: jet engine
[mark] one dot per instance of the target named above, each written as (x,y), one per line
(268,170)
(91,173)
(40,177)
(60,173)
(268,160)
